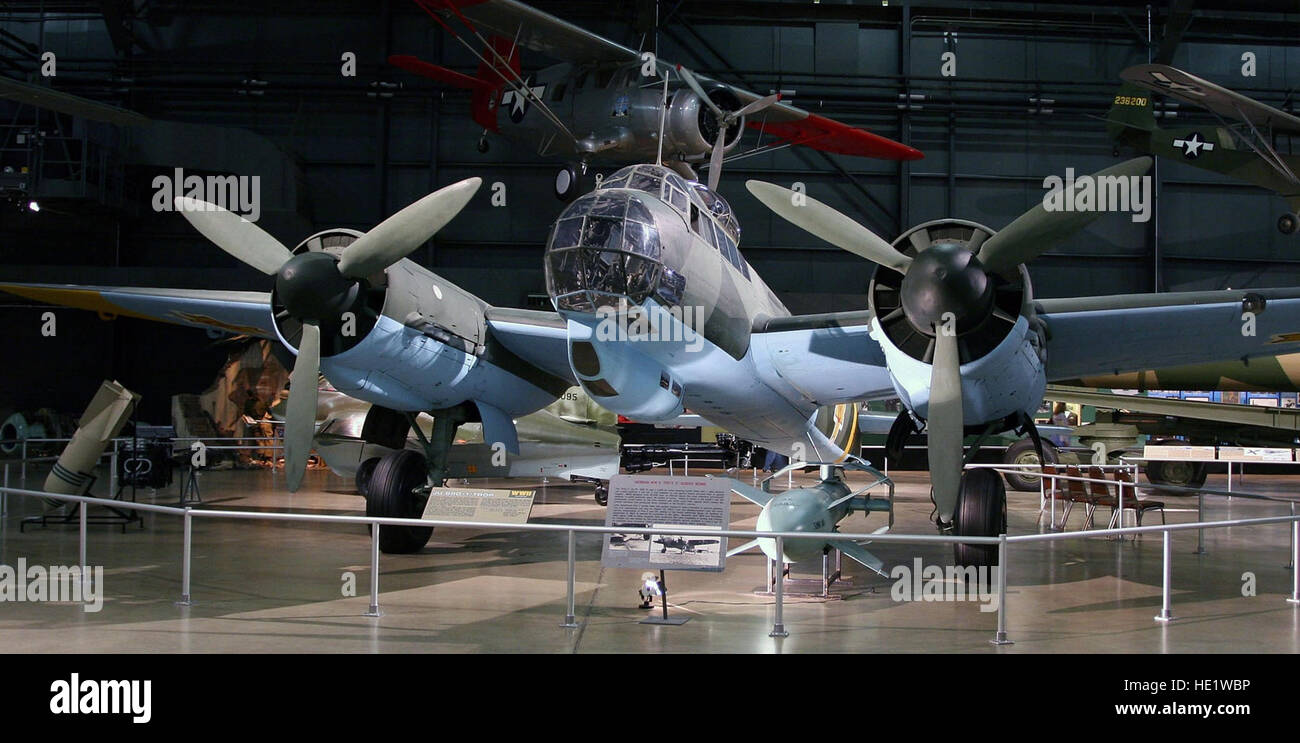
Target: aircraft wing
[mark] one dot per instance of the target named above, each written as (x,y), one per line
(1287,419)
(535,30)
(559,39)
(1089,336)
(56,100)
(235,312)
(1191,89)
(826,359)
(540,338)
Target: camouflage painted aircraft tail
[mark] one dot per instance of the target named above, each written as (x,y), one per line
(1131,118)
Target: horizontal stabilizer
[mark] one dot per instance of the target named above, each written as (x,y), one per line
(750,493)
(438,73)
(751,544)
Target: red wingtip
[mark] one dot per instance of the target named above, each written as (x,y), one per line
(828,135)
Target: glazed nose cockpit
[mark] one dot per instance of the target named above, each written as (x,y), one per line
(607,247)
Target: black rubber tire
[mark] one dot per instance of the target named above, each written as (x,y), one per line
(1287,224)
(602,493)
(1177,473)
(1023,452)
(483,145)
(981,512)
(365,471)
(568,183)
(390,495)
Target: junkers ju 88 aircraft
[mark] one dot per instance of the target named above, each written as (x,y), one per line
(951,328)
(607,103)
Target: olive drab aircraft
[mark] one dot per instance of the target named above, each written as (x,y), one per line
(1242,145)
(605,102)
(657,311)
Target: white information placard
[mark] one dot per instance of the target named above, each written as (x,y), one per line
(668,503)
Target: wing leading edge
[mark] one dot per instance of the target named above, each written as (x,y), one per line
(236,312)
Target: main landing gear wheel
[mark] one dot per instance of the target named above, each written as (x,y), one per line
(365,471)
(981,512)
(1024,452)
(1177,473)
(602,493)
(568,182)
(1287,223)
(391,494)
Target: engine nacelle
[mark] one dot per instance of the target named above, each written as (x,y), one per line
(1002,353)
(414,341)
(691,127)
(1008,379)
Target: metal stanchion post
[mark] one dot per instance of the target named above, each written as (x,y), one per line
(1291,566)
(778,621)
(1295,558)
(112,471)
(24,469)
(1053,514)
(1001,637)
(1042,492)
(1165,613)
(185,561)
(374,572)
(82,550)
(569,620)
(1229,476)
(686,465)
(4,497)
(1200,516)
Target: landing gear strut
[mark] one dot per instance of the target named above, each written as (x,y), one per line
(399,486)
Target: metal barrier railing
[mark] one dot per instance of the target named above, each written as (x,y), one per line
(571,530)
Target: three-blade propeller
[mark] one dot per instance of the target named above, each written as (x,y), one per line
(725,120)
(945,289)
(317,290)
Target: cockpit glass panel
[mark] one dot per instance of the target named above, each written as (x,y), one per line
(604,245)
(651,183)
(678,199)
(602,232)
(567,232)
(720,209)
(638,211)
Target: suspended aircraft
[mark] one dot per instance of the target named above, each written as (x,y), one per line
(1241,146)
(605,102)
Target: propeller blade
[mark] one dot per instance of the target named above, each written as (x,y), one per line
(396,237)
(828,224)
(300,412)
(715,159)
(752,107)
(944,424)
(694,84)
(1036,230)
(235,235)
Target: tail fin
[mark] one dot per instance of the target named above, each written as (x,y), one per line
(1131,116)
